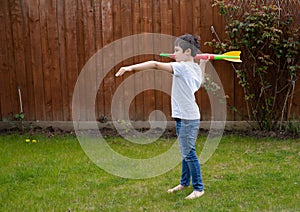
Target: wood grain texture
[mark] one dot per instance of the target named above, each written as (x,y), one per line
(45,45)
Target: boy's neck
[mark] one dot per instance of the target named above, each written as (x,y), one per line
(189,59)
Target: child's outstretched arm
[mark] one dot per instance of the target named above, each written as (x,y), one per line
(145,66)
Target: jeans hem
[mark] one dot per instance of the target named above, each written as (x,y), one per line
(200,190)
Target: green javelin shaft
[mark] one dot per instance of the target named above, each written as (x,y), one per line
(221,57)
(165,55)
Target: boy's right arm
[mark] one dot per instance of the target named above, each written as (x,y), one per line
(145,66)
(202,65)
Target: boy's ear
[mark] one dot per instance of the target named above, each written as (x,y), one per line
(188,52)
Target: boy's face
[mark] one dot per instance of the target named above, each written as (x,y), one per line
(180,55)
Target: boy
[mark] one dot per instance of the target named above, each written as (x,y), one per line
(187,79)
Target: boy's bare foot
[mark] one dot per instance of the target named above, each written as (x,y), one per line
(195,194)
(177,188)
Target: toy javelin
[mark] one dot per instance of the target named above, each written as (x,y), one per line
(233,56)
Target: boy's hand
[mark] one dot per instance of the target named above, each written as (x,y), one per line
(205,61)
(123,70)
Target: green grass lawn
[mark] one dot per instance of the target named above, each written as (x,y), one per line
(244,174)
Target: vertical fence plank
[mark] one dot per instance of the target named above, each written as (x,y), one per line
(81,56)
(119,20)
(17,27)
(127,49)
(184,20)
(36,60)
(147,26)
(158,81)
(89,49)
(54,69)
(30,113)
(71,51)
(176,18)
(140,99)
(99,43)
(196,17)
(186,17)
(136,29)
(3,58)
(108,35)
(166,28)
(13,75)
(61,29)
(6,70)
(46,60)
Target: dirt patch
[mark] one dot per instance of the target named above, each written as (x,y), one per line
(266,134)
(168,133)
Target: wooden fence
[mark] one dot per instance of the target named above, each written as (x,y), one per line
(44,44)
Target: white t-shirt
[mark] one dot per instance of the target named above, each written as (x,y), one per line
(187,79)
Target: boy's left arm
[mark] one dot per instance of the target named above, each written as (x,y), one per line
(145,66)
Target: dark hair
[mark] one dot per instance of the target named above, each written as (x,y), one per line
(188,41)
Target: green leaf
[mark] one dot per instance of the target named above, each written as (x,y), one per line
(22,116)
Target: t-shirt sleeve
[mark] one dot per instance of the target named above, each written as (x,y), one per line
(177,69)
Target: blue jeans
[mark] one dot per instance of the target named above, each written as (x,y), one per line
(187,132)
